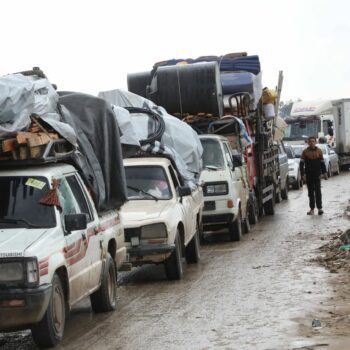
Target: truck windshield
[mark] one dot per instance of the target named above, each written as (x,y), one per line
(301,130)
(212,154)
(147,182)
(19,203)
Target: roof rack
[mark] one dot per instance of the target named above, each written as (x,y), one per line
(52,152)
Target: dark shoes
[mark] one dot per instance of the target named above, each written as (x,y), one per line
(312,212)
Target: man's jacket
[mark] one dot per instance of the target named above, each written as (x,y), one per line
(312,162)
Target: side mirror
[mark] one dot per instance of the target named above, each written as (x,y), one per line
(184,191)
(75,222)
(237,160)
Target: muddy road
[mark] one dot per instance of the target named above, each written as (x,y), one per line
(260,293)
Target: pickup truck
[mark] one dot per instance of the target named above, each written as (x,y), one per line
(226,195)
(162,218)
(52,256)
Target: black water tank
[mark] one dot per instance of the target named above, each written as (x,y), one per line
(188,88)
(137,82)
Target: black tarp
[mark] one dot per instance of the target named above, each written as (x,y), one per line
(100,162)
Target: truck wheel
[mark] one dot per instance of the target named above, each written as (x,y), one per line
(173,265)
(104,299)
(329,173)
(246,224)
(235,229)
(296,185)
(278,194)
(253,213)
(337,172)
(284,192)
(192,253)
(49,331)
(269,206)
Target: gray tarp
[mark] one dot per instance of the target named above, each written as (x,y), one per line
(20,97)
(179,140)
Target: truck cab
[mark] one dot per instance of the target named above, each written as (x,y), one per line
(226,194)
(55,249)
(163,217)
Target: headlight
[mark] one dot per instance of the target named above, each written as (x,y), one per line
(19,273)
(212,189)
(32,272)
(11,272)
(154,231)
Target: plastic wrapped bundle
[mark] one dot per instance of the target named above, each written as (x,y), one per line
(246,63)
(178,140)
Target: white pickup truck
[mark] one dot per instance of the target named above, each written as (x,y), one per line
(162,219)
(53,256)
(226,195)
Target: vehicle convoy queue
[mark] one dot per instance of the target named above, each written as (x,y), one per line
(81,201)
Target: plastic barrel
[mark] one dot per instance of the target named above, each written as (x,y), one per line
(188,88)
(138,82)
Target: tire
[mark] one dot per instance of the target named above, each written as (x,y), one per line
(337,172)
(284,192)
(253,212)
(49,331)
(278,194)
(235,229)
(173,265)
(329,173)
(192,252)
(269,206)
(201,234)
(296,185)
(105,298)
(246,225)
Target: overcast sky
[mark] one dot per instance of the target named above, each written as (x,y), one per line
(91,45)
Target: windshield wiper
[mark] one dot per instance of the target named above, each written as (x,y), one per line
(143,191)
(16,221)
(212,167)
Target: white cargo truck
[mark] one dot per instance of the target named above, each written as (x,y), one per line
(327,119)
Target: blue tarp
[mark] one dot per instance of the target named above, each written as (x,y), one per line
(245,63)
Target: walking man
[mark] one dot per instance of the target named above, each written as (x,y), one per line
(311,167)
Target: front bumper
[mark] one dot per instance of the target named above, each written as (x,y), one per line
(156,253)
(35,302)
(151,249)
(217,221)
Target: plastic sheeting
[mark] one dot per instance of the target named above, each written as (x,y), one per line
(179,140)
(243,82)
(100,161)
(21,96)
(16,103)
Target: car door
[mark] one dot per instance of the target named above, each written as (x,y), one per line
(94,236)
(237,177)
(186,206)
(76,251)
